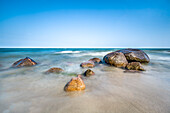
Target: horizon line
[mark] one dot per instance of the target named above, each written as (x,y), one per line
(81,47)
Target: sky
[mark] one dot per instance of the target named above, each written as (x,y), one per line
(85,23)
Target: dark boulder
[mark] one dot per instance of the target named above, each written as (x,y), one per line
(88,73)
(135,55)
(116,59)
(135,66)
(24,62)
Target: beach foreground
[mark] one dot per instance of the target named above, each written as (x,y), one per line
(110,90)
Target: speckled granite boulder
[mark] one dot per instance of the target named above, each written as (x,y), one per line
(116,59)
(135,66)
(135,55)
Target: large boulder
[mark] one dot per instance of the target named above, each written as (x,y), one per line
(135,66)
(75,84)
(88,73)
(88,64)
(96,60)
(24,62)
(135,55)
(116,59)
(55,70)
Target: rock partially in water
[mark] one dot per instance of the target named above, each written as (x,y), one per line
(24,62)
(135,66)
(88,64)
(75,84)
(55,70)
(96,60)
(136,55)
(88,73)
(116,59)
(132,71)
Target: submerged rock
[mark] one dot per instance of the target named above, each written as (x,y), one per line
(88,73)
(75,84)
(116,59)
(135,66)
(135,55)
(132,71)
(96,60)
(24,62)
(88,64)
(55,70)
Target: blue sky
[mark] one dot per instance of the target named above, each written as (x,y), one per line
(84,23)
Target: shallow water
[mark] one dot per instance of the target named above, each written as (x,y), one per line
(110,90)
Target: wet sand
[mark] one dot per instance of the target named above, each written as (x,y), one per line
(109,91)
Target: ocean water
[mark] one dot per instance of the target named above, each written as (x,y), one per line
(110,90)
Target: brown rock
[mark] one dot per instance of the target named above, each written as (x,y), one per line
(75,84)
(96,60)
(135,66)
(88,73)
(88,64)
(116,59)
(55,70)
(135,55)
(24,62)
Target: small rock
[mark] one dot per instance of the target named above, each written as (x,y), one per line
(88,73)
(116,59)
(135,66)
(88,64)
(75,84)
(55,70)
(24,62)
(96,60)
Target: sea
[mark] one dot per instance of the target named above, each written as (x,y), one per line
(110,90)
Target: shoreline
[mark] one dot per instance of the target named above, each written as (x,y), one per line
(29,89)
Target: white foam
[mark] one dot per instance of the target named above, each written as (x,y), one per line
(156,57)
(68,52)
(93,54)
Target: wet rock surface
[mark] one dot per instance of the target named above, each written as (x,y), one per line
(88,73)
(75,84)
(135,66)
(96,60)
(135,55)
(24,62)
(55,70)
(88,64)
(132,71)
(116,59)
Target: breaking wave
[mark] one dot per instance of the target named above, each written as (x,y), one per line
(68,52)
